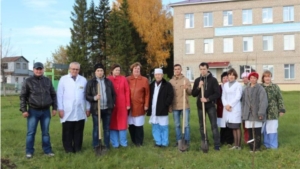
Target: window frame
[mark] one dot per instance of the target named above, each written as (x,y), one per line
(210,43)
(248,16)
(291,14)
(270,43)
(289,69)
(191,42)
(227,14)
(18,65)
(206,18)
(248,43)
(288,45)
(268,13)
(191,20)
(224,47)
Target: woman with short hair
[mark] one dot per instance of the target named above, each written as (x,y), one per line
(274,110)
(231,99)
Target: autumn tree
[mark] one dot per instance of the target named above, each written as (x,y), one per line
(154,25)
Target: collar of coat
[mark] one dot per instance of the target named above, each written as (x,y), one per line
(132,77)
(271,84)
(163,81)
(179,77)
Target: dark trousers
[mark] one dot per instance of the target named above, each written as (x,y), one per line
(226,135)
(136,134)
(257,135)
(105,118)
(212,115)
(72,135)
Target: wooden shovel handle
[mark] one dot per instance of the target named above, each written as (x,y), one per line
(99,113)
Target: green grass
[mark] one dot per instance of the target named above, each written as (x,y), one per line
(13,133)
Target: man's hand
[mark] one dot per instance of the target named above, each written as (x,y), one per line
(97,97)
(260,117)
(145,108)
(203,100)
(200,84)
(61,114)
(25,114)
(228,108)
(88,113)
(53,112)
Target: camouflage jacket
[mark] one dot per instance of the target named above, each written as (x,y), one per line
(275,101)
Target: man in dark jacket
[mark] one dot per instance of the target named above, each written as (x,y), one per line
(107,101)
(38,94)
(161,97)
(211,94)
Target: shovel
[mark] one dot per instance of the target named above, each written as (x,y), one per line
(181,143)
(204,144)
(100,149)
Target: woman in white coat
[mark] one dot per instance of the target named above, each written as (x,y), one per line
(231,99)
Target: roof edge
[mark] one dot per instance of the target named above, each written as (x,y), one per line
(195,3)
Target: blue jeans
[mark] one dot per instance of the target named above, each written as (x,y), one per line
(32,121)
(178,129)
(105,116)
(212,115)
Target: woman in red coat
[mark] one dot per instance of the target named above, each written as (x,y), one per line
(118,121)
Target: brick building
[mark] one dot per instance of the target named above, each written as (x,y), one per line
(247,35)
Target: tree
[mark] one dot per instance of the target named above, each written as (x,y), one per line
(102,14)
(78,47)
(121,47)
(154,25)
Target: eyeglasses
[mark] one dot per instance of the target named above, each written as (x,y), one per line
(74,69)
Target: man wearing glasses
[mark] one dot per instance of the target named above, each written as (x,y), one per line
(73,108)
(38,95)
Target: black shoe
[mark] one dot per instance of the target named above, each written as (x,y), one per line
(155,145)
(217,148)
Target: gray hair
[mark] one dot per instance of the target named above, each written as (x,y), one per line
(74,63)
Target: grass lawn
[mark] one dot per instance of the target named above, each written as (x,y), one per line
(13,133)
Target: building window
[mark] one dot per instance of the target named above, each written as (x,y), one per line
(267,15)
(288,13)
(208,19)
(4,65)
(189,20)
(247,68)
(227,18)
(289,71)
(268,43)
(269,68)
(248,44)
(247,16)
(208,46)
(16,79)
(24,66)
(227,45)
(18,65)
(289,42)
(189,73)
(189,47)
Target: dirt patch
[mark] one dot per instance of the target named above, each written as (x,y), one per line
(6,163)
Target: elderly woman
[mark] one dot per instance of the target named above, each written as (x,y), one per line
(254,106)
(274,110)
(139,98)
(231,96)
(118,122)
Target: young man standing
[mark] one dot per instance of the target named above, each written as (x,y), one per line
(161,97)
(107,97)
(181,84)
(211,94)
(38,94)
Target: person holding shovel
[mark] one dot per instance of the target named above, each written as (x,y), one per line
(161,97)
(107,98)
(180,84)
(254,107)
(211,94)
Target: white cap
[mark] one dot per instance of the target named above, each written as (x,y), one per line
(158,71)
(245,74)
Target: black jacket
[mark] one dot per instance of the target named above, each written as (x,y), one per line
(91,91)
(164,99)
(211,90)
(37,93)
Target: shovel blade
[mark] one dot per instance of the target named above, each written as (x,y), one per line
(182,146)
(100,150)
(204,146)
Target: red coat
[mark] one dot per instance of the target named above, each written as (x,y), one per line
(220,105)
(119,114)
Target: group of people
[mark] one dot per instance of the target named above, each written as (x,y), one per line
(124,102)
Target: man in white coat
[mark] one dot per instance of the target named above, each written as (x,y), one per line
(73,108)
